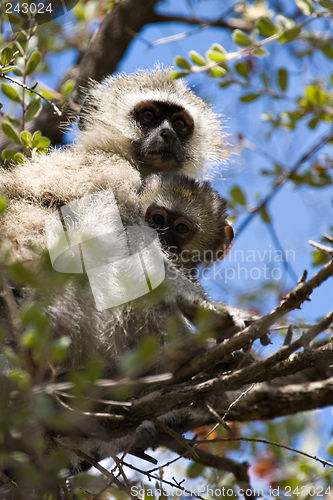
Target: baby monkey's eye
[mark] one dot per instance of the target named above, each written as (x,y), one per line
(158,219)
(182,228)
(148,114)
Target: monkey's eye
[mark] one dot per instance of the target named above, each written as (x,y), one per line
(148,115)
(179,123)
(182,228)
(158,219)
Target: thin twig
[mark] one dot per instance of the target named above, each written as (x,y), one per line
(26,87)
(265,441)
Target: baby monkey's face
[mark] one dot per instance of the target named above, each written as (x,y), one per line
(189,216)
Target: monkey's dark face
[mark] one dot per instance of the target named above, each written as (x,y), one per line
(166,129)
(175,230)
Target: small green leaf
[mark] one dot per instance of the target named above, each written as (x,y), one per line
(197,58)
(35,138)
(249,97)
(8,69)
(215,56)
(195,470)
(325,3)
(13,18)
(11,132)
(3,204)
(43,142)
(8,154)
(306,6)
(10,92)
(283,79)
(226,83)
(241,38)
(238,195)
(19,158)
(319,258)
(265,79)
(260,52)
(178,74)
(313,123)
(182,63)
(33,109)
(242,69)
(311,94)
(264,215)
(216,47)
(32,62)
(327,50)
(67,87)
(26,139)
(266,26)
(6,56)
(289,35)
(218,72)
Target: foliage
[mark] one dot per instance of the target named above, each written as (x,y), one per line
(262,35)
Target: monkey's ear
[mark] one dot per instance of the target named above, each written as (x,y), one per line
(225,241)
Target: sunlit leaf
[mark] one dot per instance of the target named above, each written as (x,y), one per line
(182,63)
(267,27)
(11,132)
(241,38)
(289,35)
(306,6)
(33,62)
(197,58)
(10,92)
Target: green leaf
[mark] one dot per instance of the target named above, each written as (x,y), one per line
(10,92)
(241,38)
(238,195)
(218,72)
(33,109)
(43,142)
(313,123)
(35,138)
(242,69)
(283,79)
(8,69)
(249,97)
(26,139)
(178,74)
(19,158)
(195,470)
(6,56)
(11,132)
(319,258)
(306,6)
(260,52)
(216,47)
(267,27)
(67,87)
(182,63)
(327,50)
(226,83)
(215,56)
(265,79)
(13,18)
(325,3)
(197,58)
(3,204)
(264,215)
(32,62)
(8,154)
(311,94)
(289,35)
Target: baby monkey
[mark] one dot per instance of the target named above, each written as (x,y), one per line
(190,217)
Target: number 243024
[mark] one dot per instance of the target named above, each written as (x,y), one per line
(33,8)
